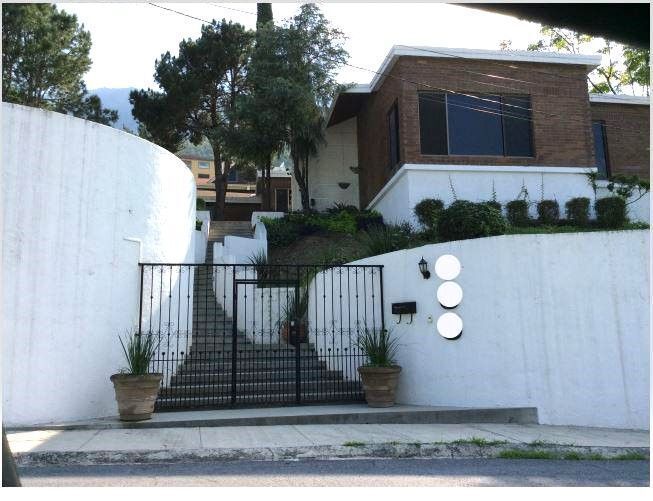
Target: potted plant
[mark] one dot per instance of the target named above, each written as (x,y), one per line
(136,389)
(295,311)
(381,373)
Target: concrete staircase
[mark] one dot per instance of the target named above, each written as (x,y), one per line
(220,229)
(265,373)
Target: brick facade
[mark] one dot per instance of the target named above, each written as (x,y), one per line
(561,113)
(627,135)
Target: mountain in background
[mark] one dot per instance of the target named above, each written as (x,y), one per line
(118,99)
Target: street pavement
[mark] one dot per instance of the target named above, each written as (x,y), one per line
(348,473)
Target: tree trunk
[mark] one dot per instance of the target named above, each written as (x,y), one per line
(301,181)
(217,214)
(267,185)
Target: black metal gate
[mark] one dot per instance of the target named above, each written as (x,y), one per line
(258,335)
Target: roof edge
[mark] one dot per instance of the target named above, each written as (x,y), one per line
(620,99)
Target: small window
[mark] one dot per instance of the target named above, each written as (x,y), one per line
(203,176)
(433,124)
(203,165)
(393,138)
(601,149)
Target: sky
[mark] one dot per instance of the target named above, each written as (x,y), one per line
(128,37)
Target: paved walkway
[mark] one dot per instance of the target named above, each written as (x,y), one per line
(198,439)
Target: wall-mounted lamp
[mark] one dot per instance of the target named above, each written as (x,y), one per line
(424,269)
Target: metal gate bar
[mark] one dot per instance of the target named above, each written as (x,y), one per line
(233,335)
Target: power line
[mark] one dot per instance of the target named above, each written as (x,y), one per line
(441,89)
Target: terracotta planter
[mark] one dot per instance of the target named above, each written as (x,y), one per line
(380,385)
(136,395)
(301,336)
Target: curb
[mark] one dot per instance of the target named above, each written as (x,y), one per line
(320,452)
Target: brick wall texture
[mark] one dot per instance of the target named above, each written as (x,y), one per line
(627,132)
(561,127)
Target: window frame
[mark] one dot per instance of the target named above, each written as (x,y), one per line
(200,166)
(503,127)
(606,152)
(393,108)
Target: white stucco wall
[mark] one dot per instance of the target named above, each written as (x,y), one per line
(560,322)
(413,183)
(331,166)
(81,204)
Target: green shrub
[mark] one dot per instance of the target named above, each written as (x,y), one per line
(611,212)
(200,204)
(281,232)
(342,222)
(548,212)
(340,206)
(379,348)
(382,239)
(139,349)
(494,204)
(517,213)
(578,211)
(428,211)
(198,224)
(464,219)
(368,219)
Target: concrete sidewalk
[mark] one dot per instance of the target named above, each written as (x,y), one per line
(106,446)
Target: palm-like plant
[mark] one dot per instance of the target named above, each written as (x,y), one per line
(139,351)
(379,348)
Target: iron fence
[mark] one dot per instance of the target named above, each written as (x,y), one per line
(255,335)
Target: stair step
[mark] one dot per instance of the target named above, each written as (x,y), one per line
(195,365)
(243,376)
(259,388)
(280,398)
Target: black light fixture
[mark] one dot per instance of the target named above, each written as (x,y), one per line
(424,269)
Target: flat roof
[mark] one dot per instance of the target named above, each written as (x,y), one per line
(620,99)
(347,103)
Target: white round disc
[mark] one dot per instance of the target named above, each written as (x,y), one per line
(450,325)
(447,267)
(450,294)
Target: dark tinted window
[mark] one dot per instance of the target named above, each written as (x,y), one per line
(598,129)
(479,124)
(432,124)
(393,131)
(517,126)
(474,125)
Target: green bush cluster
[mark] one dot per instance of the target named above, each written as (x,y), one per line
(344,220)
(577,211)
(610,212)
(548,212)
(517,213)
(464,219)
(428,211)
(200,204)
(387,238)
(494,204)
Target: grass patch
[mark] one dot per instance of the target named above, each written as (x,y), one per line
(631,456)
(577,456)
(354,443)
(537,443)
(520,454)
(481,442)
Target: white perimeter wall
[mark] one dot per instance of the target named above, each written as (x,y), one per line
(413,183)
(560,322)
(73,193)
(331,166)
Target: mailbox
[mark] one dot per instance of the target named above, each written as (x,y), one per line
(409,308)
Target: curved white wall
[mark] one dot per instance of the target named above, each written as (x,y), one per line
(560,322)
(81,203)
